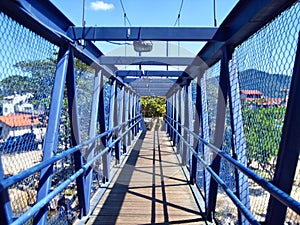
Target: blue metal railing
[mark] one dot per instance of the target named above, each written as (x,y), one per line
(269,187)
(6,183)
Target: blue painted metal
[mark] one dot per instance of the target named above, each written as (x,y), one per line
(43,202)
(219,131)
(176,116)
(134,113)
(197,130)
(185,110)
(125,118)
(246,212)
(120,117)
(6,213)
(205,134)
(142,33)
(83,196)
(268,186)
(289,148)
(238,138)
(145,60)
(92,133)
(101,118)
(129,117)
(51,139)
(149,73)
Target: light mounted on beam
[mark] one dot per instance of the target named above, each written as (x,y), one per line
(142,46)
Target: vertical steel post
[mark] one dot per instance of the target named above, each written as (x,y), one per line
(93,132)
(182,100)
(238,138)
(197,122)
(186,123)
(191,119)
(125,118)
(205,134)
(133,115)
(6,213)
(288,154)
(102,124)
(120,110)
(179,119)
(111,123)
(176,118)
(219,130)
(75,136)
(129,117)
(171,115)
(51,138)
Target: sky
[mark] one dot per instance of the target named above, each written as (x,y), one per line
(161,13)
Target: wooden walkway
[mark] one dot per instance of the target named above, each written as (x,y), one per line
(151,188)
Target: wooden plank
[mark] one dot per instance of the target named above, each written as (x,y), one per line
(150,189)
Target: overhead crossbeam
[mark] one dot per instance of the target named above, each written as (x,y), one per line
(141,60)
(142,33)
(148,73)
(152,86)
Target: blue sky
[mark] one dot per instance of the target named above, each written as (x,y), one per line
(146,13)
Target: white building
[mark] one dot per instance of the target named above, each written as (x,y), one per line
(17,104)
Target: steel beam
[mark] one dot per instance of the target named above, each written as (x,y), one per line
(51,138)
(6,213)
(142,33)
(145,60)
(125,118)
(83,195)
(92,133)
(288,153)
(185,148)
(149,73)
(219,131)
(238,139)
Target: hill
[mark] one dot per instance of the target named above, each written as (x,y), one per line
(271,85)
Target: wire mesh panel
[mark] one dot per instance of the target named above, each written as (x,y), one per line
(265,63)
(225,209)
(26,78)
(212,86)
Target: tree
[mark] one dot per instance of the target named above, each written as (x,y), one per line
(263,128)
(153,106)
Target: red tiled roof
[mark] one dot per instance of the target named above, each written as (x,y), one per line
(19,120)
(267,101)
(251,92)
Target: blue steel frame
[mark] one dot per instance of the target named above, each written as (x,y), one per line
(289,147)
(44,19)
(51,139)
(272,189)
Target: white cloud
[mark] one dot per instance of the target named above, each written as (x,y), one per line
(101,5)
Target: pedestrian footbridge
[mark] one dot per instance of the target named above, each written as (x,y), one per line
(75,147)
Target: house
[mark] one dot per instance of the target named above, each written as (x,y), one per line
(255,98)
(18,124)
(250,95)
(17,104)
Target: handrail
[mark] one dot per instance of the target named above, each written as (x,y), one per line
(217,178)
(7,182)
(273,190)
(34,209)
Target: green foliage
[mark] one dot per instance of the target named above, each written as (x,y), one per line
(153,106)
(263,127)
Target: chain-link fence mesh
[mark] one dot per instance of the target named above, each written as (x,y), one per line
(265,65)
(26,78)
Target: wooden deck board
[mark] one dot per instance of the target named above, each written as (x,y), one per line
(150,189)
